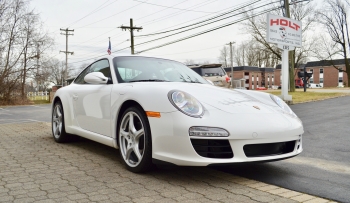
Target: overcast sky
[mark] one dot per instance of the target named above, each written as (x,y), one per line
(94,21)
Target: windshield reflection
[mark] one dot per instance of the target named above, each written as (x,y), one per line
(145,69)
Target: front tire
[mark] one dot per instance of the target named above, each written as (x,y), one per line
(58,128)
(135,143)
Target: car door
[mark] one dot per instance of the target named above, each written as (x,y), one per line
(92,101)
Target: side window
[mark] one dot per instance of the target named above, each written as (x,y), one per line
(101,66)
(80,78)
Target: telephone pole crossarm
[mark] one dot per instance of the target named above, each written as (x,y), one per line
(131,28)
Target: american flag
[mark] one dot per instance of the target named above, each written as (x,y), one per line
(109,47)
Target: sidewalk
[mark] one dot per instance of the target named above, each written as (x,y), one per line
(34,168)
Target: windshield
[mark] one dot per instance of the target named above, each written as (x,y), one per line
(144,69)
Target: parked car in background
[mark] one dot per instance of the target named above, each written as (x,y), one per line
(314,85)
(212,72)
(261,88)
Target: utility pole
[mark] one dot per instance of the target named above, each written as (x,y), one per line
(231,57)
(290,53)
(37,63)
(131,28)
(66,52)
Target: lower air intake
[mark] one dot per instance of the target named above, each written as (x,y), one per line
(220,149)
(268,149)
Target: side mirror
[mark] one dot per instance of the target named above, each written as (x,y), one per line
(96,78)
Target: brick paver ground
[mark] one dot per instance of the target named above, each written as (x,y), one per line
(34,168)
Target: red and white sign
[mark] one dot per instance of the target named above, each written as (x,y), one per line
(283,31)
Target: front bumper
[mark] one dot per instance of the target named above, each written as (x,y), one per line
(171,141)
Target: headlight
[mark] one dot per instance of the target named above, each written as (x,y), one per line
(283,105)
(186,103)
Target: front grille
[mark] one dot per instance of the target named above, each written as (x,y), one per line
(212,148)
(269,149)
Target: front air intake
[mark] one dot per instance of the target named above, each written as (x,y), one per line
(269,149)
(218,149)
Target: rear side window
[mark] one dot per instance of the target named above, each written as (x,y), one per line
(197,70)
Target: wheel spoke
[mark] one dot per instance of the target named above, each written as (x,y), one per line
(60,128)
(58,111)
(55,119)
(138,134)
(123,133)
(128,153)
(57,130)
(137,152)
(131,124)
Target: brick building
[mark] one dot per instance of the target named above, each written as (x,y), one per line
(323,73)
(252,76)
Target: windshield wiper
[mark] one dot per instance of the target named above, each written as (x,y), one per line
(149,80)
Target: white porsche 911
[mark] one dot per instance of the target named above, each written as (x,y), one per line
(159,111)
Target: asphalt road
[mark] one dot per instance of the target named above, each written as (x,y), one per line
(24,114)
(323,169)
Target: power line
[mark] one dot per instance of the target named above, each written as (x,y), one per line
(189,51)
(139,18)
(223,14)
(173,7)
(203,24)
(99,56)
(160,10)
(92,12)
(111,15)
(197,18)
(89,55)
(207,31)
(178,13)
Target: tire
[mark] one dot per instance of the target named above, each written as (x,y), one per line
(58,128)
(134,139)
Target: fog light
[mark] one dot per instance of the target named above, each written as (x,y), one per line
(208,132)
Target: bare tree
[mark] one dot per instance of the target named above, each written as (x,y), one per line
(189,62)
(252,53)
(20,32)
(224,56)
(334,17)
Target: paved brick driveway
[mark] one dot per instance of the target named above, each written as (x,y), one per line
(34,168)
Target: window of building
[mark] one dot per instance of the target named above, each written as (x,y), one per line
(311,80)
(321,80)
(321,70)
(340,79)
(246,73)
(340,69)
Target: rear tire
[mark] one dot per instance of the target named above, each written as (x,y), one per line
(135,143)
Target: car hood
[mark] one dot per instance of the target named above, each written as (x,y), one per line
(231,101)
(213,97)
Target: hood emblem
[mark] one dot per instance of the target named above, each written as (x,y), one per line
(256,107)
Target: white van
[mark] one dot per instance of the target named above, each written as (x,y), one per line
(314,85)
